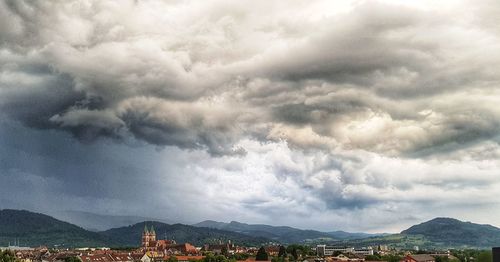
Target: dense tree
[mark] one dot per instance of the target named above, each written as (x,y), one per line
(469,255)
(261,255)
(484,256)
(7,256)
(171,259)
(282,252)
(239,256)
(279,259)
(295,250)
(442,259)
(374,257)
(308,251)
(295,254)
(209,257)
(72,259)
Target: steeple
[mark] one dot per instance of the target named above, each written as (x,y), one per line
(145,228)
(152,231)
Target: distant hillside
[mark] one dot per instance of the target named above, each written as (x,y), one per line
(284,234)
(281,234)
(211,224)
(34,229)
(131,235)
(452,232)
(398,241)
(349,235)
(98,222)
(438,233)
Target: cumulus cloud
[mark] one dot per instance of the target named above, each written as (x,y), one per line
(372,66)
(350,93)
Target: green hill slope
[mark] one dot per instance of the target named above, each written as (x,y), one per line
(283,234)
(438,233)
(455,233)
(131,235)
(33,229)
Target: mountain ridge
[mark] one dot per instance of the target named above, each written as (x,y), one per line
(33,229)
(450,231)
(285,234)
(131,235)
(100,222)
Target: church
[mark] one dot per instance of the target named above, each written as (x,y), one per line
(163,246)
(149,238)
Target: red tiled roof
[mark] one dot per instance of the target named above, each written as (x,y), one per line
(185,258)
(164,242)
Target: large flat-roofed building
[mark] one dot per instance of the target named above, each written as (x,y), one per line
(363,251)
(324,250)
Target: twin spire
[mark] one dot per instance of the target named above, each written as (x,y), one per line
(151,231)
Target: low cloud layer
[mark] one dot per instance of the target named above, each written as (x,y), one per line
(352,107)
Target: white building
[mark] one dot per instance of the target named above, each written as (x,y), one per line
(324,250)
(363,251)
(16,248)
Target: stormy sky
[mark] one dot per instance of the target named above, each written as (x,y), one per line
(355,115)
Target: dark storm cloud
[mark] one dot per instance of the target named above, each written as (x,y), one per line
(389,49)
(184,125)
(378,59)
(34,94)
(350,49)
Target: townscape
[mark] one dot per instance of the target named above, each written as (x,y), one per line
(168,250)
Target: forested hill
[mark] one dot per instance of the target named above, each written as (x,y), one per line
(453,232)
(33,229)
(131,235)
(283,234)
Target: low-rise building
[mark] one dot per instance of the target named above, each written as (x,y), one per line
(363,251)
(106,257)
(152,256)
(272,250)
(220,248)
(177,249)
(324,250)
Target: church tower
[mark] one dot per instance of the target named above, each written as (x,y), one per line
(149,238)
(145,236)
(152,234)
